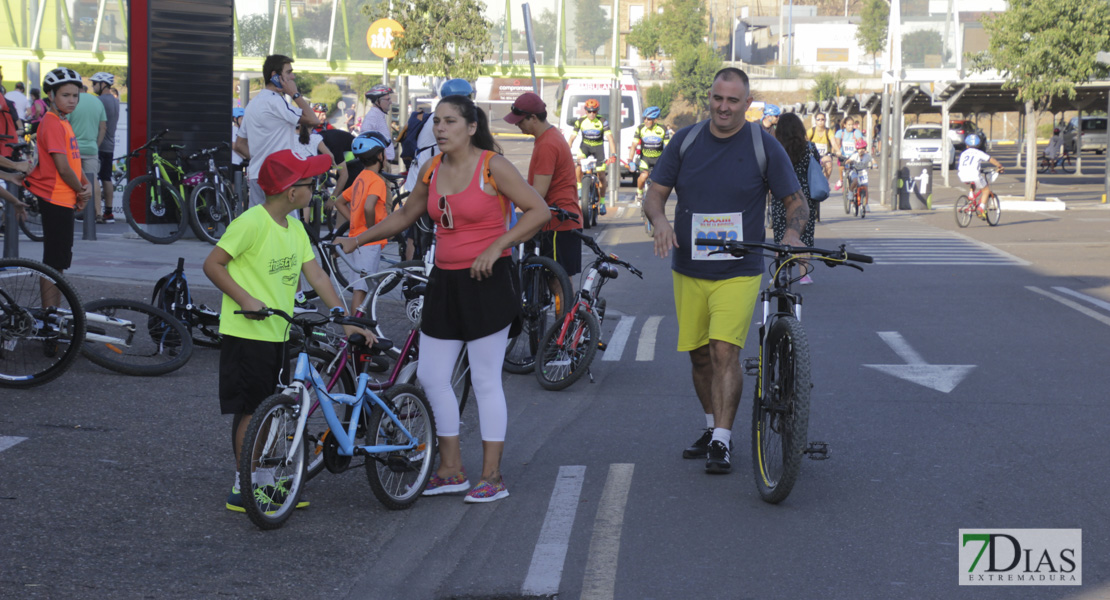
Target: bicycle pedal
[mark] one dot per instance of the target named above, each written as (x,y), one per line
(602,346)
(817,451)
(751,366)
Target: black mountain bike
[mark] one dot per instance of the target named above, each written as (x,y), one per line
(780,411)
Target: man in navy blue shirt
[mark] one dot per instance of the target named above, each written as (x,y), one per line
(721,194)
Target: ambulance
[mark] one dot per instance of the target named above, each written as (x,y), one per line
(572,99)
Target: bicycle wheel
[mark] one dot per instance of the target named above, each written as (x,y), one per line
(157,198)
(133,338)
(963,211)
(398,478)
(584,199)
(1043,164)
(780,418)
(32,223)
(38,340)
(316,428)
(994,210)
(271,470)
(861,202)
(562,362)
(595,198)
(1066,165)
(328,256)
(395,306)
(539,306)
(210,211)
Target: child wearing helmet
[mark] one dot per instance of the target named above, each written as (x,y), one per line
(970,162)
(594,132)
(364,205)
(859,159)
(649,139)
(58,181)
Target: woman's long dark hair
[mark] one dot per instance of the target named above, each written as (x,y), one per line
(483,137)
(791,133)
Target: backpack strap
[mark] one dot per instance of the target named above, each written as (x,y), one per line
(689,139)
(760,153)
(487,177)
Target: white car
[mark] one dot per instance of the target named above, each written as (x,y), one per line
(924,142)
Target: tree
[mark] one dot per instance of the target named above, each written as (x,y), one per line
(591,26)
(683,25)
(545,30)
(827,85)
(694,68)
(919,45)
(872,31)
(647,36)
(436,41)
(1042,49)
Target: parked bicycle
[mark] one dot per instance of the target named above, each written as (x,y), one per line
(171,294)
(395,433)
(569,346)
(38,340)
(213,202)
(972,203)
(161,192)
(780,411)
(31,225)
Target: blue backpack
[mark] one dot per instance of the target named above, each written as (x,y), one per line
(412,133)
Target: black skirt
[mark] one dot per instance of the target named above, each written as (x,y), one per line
(459,307)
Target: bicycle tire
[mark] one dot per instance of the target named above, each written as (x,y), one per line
(394,307)
(584,199)
(161,194)
(861,202)
(561,364)
(993,210)
(538,305)
(32,223)
(148,340)
(316,428)
(963,211)
(210,210)
(1044,164)
(267,446)
(32,354)
(779,432)
(399,479)
(595,199)
(1066,165)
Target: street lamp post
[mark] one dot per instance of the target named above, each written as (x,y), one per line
(1102,58)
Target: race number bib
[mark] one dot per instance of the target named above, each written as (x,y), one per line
(863,177)
(822,149)
(720,226)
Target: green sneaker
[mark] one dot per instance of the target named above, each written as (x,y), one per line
(235,501)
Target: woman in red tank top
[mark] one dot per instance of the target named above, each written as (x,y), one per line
(471,297)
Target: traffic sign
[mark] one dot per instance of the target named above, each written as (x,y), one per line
(380,37)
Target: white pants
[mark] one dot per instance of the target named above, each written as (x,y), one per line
(437,361)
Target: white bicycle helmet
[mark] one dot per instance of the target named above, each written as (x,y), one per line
(103,77)
(59,77)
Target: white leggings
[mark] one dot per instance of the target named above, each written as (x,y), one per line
(437,360)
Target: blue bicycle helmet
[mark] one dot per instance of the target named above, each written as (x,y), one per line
(652,112)
(237,112)
(972,140)
(771,110)
(368,142)
(456,87)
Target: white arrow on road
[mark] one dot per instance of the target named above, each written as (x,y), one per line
(942,378)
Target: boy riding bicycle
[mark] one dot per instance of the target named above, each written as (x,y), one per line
(968,172)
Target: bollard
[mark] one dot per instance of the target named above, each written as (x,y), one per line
(88,229)
(11,225)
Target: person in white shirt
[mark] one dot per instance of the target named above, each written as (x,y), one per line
(968,171)
(19,99)
(377,118)
(1052,151)
(270,123)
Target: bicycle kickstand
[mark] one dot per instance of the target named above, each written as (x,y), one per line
(590,374)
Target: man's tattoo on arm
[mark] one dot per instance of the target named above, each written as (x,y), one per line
(797,212)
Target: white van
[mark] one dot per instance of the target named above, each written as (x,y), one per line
(572,102)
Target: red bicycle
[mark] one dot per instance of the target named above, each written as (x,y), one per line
(971,203)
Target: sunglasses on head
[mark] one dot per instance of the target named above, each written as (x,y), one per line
(518,112)
(445,218)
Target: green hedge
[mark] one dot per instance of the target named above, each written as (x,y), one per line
(661,96)
(327,93)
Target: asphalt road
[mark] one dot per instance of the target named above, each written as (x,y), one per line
(117,489)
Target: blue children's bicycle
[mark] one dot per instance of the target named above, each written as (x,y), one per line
(395,433)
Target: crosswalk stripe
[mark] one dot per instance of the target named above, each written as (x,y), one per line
(619,338)
(546,570)
(645,350)
(7,441)
(1071,304)
(908,242)
(1099,303)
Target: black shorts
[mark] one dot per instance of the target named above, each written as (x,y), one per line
(597,152)
(57,235)
(249,371)
(459,307)
(105,173)
(565,248)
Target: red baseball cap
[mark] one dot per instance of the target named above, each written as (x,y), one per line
(527,104)
(283,168)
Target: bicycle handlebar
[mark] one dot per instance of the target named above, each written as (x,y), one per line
(335,316)
(563,214)
(606,256)
(741,248)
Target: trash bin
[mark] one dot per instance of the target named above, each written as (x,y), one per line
(915,185)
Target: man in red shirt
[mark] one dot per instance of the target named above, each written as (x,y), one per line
(551,173)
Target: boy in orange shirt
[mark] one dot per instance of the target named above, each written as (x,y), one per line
(58,180)
(363,204)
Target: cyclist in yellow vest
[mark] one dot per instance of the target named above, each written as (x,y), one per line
(825,141)
(594,133)
(649,139)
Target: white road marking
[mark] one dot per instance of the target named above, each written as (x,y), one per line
(901,348)
(619,338)
(7,441)
(1099,303)
(546,570)
(942,378)
(600,579)
(1071,304)
(645,350)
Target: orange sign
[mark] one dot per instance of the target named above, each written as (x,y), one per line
(380,37)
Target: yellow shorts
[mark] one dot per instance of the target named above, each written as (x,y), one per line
(718,310)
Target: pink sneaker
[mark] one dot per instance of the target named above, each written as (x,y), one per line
(838,182)
(487,492)
(438,485)
(805,280)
